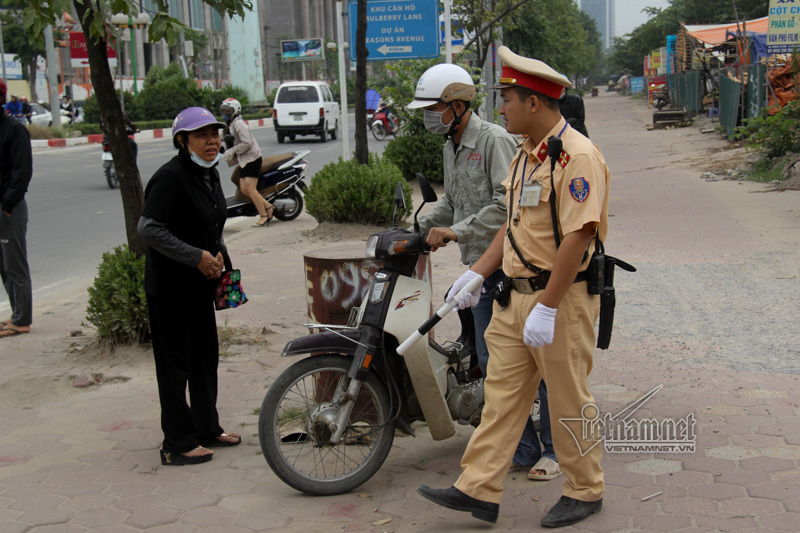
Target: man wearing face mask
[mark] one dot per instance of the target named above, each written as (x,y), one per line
(476,159)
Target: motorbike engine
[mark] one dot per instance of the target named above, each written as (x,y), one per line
(465,400)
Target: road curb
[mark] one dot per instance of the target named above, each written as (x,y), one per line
(97,138)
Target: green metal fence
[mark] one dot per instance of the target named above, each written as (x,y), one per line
(686,89)
(729,95)
(756,85)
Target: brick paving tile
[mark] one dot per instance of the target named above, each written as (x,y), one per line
(685,478)
(44,516)
(792,505)
(792,439)
(172,528)
(183,487)
(205,516)
(129,489)
(692,506)
(99,518)
(628,480)
(698,463)
(756,441)
(154,516)
(90,502)
(193,500)
(755,506)
(780,522)
(767,464)
(76,490)
(738,477)
(69,528)
(661,522)
(717,491)
(726,522)
(605,522)
(33,502)
(137,502)
(773,491)
(261,521)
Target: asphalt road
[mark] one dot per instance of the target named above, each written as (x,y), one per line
(75,217)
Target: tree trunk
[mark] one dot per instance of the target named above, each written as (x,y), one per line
(32,79)
(362,149)
(130,184)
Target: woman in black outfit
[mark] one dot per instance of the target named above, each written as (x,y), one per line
(182,223)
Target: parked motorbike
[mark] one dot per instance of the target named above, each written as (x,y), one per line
(384,123)
(327,423)
(661,99)
(281,182)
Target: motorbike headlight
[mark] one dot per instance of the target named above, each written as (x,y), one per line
(372,244)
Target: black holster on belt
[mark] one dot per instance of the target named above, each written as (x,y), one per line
(608,299)
(502,293)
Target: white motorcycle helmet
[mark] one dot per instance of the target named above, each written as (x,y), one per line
(230,107)
(443,83)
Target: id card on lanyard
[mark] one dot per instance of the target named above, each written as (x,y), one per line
(531,190)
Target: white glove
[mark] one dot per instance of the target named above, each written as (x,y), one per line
(470,298)
(539,326)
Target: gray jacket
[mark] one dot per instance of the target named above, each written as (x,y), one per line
(474,202)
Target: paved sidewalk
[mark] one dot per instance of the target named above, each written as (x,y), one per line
(86,459)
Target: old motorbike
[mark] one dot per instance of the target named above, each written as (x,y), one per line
(327,423)
(108,160)
(281,183)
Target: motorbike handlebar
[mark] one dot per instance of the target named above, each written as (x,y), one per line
(440,313)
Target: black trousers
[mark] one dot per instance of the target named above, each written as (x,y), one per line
(186,351)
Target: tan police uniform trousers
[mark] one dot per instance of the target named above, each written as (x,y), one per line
(514,373)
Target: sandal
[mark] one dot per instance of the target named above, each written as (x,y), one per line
(263,220)
(216,442)
(168,457)
(548,466)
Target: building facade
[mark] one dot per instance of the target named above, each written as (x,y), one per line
(602,11)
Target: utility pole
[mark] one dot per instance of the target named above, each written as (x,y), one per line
(52,81)
(342,81)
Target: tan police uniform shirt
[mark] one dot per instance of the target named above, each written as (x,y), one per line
(581,180)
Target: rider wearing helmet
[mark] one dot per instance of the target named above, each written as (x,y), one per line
(16,169)
(246,154)
(476,157)
(182,222)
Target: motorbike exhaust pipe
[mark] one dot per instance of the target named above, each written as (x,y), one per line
(440,314)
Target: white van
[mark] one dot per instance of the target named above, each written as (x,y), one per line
(305,108)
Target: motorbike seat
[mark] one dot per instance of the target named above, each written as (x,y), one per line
(268,164)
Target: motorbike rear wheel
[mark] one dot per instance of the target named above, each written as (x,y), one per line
(111,175)
(298,206)
(378,131)
(294,433)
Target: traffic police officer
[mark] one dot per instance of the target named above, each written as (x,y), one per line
(547,329)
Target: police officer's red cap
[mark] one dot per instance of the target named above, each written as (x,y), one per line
(531,73)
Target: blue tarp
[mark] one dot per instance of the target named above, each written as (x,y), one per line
(373,99)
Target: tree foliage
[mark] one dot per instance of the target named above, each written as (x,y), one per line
(17,41)
(556,32)
(629,51)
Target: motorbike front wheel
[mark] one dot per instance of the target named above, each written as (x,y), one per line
(291,214)
(111,175)
(379,131)
(293,427)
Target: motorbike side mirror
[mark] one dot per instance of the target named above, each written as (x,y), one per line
(428,195)
(399,201)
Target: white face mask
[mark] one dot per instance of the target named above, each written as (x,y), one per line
(202,162)
(433,122)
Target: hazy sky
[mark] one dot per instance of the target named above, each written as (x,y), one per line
(629,13)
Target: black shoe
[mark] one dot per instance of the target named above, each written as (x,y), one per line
(169,457)
(570,511)
(453,498)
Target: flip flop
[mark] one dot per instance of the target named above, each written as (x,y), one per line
(216,443)
(10,332)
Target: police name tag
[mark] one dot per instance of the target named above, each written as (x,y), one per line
(531,192)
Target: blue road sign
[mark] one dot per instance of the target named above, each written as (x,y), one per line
(398,29)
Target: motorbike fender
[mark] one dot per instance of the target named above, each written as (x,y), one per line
(343,342)
(411,299)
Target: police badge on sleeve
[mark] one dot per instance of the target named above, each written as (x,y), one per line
(579,189)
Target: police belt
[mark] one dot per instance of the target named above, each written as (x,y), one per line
(538,283)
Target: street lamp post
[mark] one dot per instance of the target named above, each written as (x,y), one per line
(129,21)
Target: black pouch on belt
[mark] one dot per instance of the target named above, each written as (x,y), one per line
(502,293)
(608,300)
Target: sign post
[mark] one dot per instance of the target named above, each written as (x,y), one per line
(398,29)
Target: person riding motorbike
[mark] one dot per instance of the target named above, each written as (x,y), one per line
(246,154)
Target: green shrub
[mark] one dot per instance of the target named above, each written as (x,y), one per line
(773,136)
(155,124)
(345,191)
(117,302)
(417,153)
(86,128)
(164,101)
(40,132)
